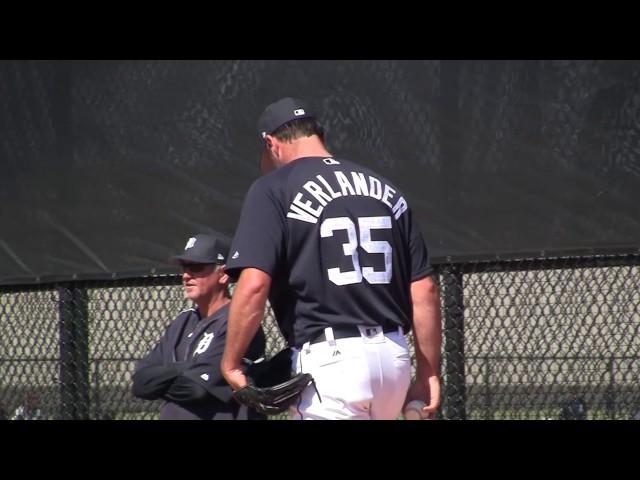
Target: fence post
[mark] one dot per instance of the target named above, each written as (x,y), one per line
(97,406)
(488,394)
(454,382)
(74,352)
(611,390)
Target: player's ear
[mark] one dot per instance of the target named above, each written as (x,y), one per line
(224,277)
(268,141)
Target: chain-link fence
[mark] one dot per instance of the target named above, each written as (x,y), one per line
(521,339)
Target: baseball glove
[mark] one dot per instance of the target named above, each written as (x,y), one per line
(272,388)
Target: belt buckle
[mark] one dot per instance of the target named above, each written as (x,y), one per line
(372,331)
(372,334)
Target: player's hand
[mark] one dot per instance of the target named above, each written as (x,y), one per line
(427,391)
(235,377)
(433,396)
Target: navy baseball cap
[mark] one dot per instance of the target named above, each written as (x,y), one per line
(203,248)
(278,113)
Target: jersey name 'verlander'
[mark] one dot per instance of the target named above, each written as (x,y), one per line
(339,242)
(352,183)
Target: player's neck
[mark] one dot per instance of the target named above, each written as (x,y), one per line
(215,303)
(304,147)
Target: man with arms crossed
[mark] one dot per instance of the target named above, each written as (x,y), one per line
(183,368)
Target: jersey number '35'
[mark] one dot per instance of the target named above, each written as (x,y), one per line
(365,224)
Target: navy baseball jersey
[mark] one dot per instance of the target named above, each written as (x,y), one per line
(339,243)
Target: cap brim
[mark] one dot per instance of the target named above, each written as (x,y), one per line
(179,259)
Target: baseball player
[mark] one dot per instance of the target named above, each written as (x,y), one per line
(335,248)
(183,369)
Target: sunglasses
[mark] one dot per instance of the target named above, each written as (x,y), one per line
(195,267)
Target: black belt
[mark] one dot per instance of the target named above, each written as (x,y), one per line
(347,331)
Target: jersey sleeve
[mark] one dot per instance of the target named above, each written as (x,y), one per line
(420,262)
(152,377)
(259,238)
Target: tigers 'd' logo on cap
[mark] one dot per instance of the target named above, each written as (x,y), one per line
(190,243)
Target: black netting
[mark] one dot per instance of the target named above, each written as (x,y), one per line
(522,338)
(111,164)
